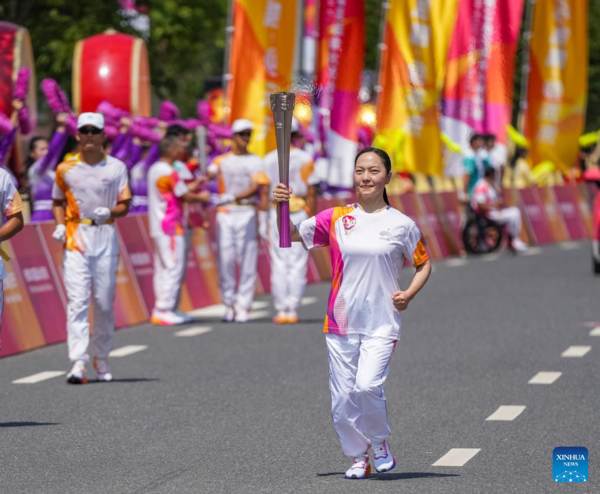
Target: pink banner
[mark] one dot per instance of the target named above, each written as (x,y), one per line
(536,216)
(568,205)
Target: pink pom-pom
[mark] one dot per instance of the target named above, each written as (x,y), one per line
(192,123)
(221,131)
(111,132)
(168,111)
(24,120)
(72,124)
(22,84)
(49,87)
(5,125)
(144,133)
(203,110)
(110,111)
(147,122)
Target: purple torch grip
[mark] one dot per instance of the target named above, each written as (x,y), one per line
(282,105)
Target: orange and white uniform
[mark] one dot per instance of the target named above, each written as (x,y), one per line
(237,226)
(91,253)
(288,266)
(11,203)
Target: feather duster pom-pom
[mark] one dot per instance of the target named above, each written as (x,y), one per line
(22,84)
(169,111)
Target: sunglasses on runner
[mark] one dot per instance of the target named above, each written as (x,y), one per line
(247,133)
(89,130)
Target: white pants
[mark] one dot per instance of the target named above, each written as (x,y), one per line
(170,256)
(288,267)
(511,217)
(237,244)
(84,275)
(358,368)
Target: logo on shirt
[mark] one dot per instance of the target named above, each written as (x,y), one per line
(385,235)
(349,223)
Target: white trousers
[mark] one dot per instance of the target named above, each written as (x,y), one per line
(170,256)
(358,369)
(511,217)
(288,267)
(237,245)
(83,276)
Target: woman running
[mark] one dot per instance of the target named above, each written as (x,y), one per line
(369,242)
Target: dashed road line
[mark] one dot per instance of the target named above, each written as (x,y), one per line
(260,304)
(545,378)
(576,351)
(193,331)
(454,263)
(456,457)
(309,300)
(124,351)
(41,376)
(506,413)
(491,257)
(259,314)
(595,331)
(569,246)
(531,251)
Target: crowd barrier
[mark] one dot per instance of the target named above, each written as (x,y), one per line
(35,300)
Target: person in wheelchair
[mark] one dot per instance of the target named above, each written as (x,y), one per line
(486,202)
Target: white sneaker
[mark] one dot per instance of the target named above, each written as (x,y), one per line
(229,315)
(187,318)
(166,318)
(384,461)
(360,469)
(242,316)
(78,373)
(292,316)
(519,245)
(102,370)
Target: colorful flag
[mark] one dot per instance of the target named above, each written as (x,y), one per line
(339,70)
(262,62)
(478,88)
(557,91)
(416,39)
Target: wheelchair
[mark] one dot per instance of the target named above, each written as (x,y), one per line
(481,235)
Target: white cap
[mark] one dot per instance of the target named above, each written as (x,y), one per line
(89,118)
(295,125)
(241,124)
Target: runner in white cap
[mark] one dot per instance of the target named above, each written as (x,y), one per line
(90,191)
(240,174)
(288,266)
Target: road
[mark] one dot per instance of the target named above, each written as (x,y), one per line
(245,408)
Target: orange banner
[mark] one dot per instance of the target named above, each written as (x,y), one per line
(262,62)
(557,92)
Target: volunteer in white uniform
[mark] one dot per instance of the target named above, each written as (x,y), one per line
(369,242)
(167,192)
(12,209)
(288,266)
(90,191)
(242,175)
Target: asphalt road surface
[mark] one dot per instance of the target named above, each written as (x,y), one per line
(245,408)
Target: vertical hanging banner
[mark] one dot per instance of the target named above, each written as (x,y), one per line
(480,70)
(262,62)
(309,37)
(557,91)
(416,39)
(339,70)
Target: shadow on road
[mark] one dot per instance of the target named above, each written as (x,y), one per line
(396,476)
(26,424)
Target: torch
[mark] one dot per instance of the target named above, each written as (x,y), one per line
(282,105)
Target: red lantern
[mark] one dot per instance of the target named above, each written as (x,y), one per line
(111,67)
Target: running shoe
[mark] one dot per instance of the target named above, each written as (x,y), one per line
(291,316)
(187,318)
(519,245)
(102,370)
(242,316)
(77,374)
(166,318)
(384,461)
(360,469)
(229,315)
(281,317)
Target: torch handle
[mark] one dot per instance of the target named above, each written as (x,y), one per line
(285,238)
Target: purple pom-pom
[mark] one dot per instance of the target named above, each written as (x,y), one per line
(203,110)
(169,111)
(5,125)
(111,132)
(24,120)
(110,111)
(72,124)
(22,84)
(192,123)
(221,131)
(144,133)
(147,122)
(49,87)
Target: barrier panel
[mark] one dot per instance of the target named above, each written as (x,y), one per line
(35,301)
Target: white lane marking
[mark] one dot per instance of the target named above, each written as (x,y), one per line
(576,351)
(545,378)
(309,300)
(454,263)
(595,331)
(456,457)
(127,350)
(259,304)
(506,413)
(217,310)
(42,376)
(193,331)
(259,314)
(491,257)
(532,251)
(569,246)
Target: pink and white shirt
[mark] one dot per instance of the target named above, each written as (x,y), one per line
(367,251)
(165,206)
(484,193)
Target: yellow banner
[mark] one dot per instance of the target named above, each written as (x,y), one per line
(557,92)
(262,61)
(417,36)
